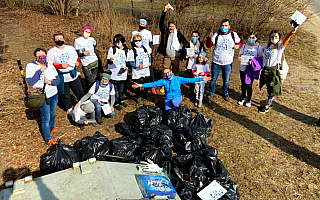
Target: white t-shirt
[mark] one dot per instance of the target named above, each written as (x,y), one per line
(252,51)
(146,38)
(223,51)
(272,57)
(50,73)
(66,55)
(119,62)
(191,59)
(102,94)
(83,44)
(142,58)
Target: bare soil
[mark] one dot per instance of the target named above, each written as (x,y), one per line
(271,156)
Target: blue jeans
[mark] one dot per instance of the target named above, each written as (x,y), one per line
(226,71)
(118,88)
(98,110)
(169,104)
(48,116)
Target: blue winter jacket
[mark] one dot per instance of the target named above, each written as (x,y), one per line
(172,87)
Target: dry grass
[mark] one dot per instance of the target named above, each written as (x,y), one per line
(272,156)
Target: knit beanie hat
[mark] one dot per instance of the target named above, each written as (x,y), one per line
(87,27)
(105,75)
(88,107)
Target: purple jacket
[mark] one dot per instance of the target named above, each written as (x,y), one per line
(253,70)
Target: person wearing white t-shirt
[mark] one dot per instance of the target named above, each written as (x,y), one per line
(101,93)
(272,61)
(118,57)
(140,67)
(197,46)
(41,75)
(64,59)
(251,49)
(83,115)
(225,41)
(147,43)
(85,47)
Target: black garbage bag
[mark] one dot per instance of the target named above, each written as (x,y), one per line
(207,152)
(184,144)
(58,157)
(217,171)
(161,134)
(232,190)
(201,124)
(127,148)
(156,153)
(148,116)
(97,146)
(178,118)
(131,130)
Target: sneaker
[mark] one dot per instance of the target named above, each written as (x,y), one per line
(196,103)
(99,120)
(82,127)
(153,90)
(226,98)
(94,124)
(54,130)
(139,101)
(69,110)
(200,104)
(123,104)
(117,106)
(265,109)
(248,104)
(52,142)
(241,102)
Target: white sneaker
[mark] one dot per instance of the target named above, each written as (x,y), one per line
(248,104)
(241,102)
(69,110)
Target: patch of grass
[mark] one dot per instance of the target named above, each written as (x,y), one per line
(2,114)
(302,47)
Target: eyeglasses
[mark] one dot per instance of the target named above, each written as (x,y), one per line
(137,40)
(252,38)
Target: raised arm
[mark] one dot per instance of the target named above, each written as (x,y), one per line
(286,40)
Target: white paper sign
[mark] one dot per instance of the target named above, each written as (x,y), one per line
(156,39)
(145,62)
(213,191)
(117,59)
(200,68)
(170,6)
(245,59)
(298,17)
(190,52)
(106,109)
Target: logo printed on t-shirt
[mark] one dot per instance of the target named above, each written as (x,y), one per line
(224,43)
(64,57)
(269,53)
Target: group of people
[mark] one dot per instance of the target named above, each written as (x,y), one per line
(54,72)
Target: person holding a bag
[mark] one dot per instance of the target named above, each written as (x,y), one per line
(65,59)
(270,75)
(43,77)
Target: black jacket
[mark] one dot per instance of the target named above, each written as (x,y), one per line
(165,34)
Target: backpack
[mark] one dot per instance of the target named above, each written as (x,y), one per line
(114,48)
(98,84)
(135,51)
(216,39)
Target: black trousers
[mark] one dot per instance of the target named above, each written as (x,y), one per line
(141,81)
(246,89)
(191,86)
(76,88)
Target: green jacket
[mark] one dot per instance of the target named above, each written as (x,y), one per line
(270,77)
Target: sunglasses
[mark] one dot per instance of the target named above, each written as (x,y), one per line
(137,40)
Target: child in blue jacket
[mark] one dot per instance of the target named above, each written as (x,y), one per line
(172,84)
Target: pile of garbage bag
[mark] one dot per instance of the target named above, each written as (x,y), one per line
(175,140)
